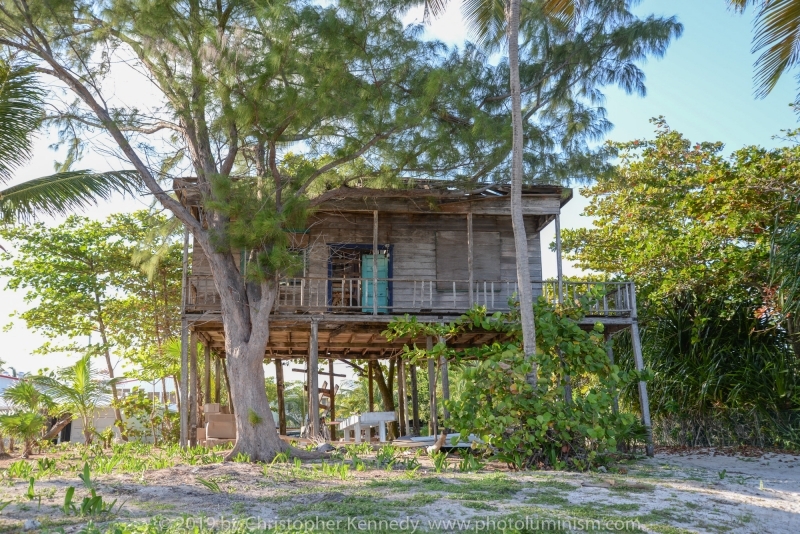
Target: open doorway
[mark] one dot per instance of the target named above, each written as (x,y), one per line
(350,268)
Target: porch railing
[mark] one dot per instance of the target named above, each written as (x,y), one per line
(421,296)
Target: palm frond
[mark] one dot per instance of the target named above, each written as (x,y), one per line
(777,36)
(485,20)
(435,8)
(63,193)
(21,102)
(25,395)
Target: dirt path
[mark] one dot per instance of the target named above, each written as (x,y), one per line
(702,491)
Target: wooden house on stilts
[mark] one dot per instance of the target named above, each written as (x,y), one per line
(431,250)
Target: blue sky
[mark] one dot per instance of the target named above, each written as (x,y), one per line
(703,86)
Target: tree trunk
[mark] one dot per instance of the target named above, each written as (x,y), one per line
(245,344)
(102,327)
(57,427)
(517,220)
(385,386)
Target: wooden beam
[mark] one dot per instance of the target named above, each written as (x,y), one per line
(281,386)
(183,394)
(206,373)
(313,382)
(414,400)
(217,379)
(306,370)
(433,423)
(193,390)
(371,399)
(401,397)
(332,396)
(644,401)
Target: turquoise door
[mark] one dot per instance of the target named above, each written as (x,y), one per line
(366,285)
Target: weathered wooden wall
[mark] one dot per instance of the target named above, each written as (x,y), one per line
(413,238)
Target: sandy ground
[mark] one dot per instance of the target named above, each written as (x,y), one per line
(695,491)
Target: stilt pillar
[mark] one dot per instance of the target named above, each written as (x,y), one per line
(433,423)
(218,379)
(414,401)
(313,380)
(281,387)
(644,401)
(193,390)
(206,374)
(401,397)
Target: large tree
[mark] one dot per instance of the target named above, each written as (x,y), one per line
(240,83)
(560,54)
(690,224)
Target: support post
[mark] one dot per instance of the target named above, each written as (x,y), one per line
(414,400)
(206,373)
(644,401)
(193,390)
(402,409)
(313,380)
(281,387)
(559,267)
(332,400)
(433,423)
(370,365)
(184,392)
(469,260)
(560,281)
(375,262)
(218,380)
(445,382)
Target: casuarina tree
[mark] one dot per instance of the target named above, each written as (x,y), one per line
(264,103)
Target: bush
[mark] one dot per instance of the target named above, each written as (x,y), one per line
(536,427)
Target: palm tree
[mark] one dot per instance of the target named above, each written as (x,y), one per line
(31,406)
(79,390)
(777,38)
(25,425)
(21,103)
(486,20)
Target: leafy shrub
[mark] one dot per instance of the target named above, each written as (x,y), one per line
(535,427)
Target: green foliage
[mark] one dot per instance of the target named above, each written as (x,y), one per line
(527,427)
(78,389)
(211,484)
(253,418)
(698,232)
(21,101)
(145,417)
(80,281)
(439,461)
(24,425)
(19,469)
